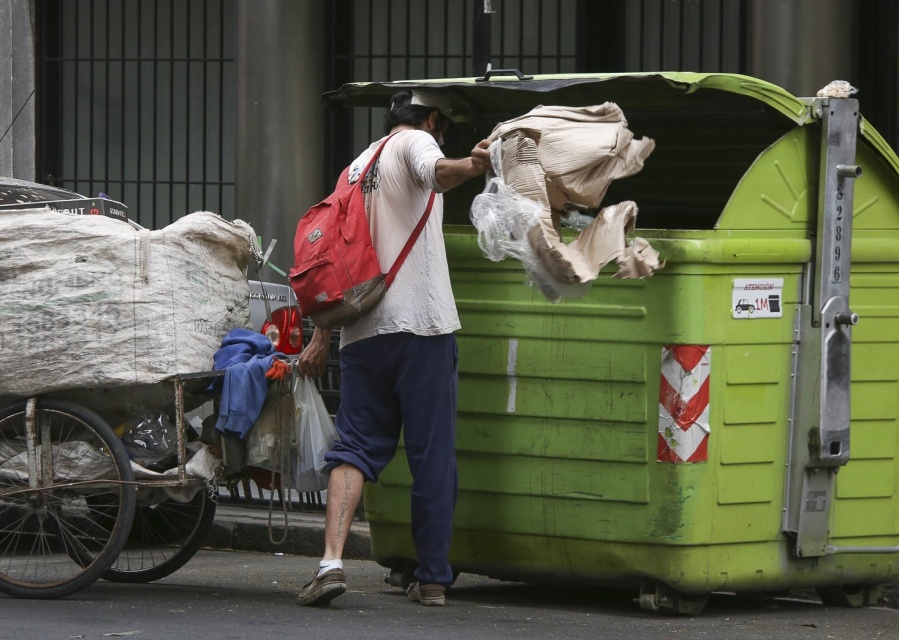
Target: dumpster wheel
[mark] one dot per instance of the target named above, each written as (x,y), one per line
(852,596)
(658,596)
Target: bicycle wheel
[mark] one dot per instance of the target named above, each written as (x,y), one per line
(51,542)
(164,536)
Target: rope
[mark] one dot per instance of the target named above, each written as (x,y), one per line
(280,453)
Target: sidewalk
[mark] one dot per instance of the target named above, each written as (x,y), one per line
(247,529)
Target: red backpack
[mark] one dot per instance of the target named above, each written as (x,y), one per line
(336,275)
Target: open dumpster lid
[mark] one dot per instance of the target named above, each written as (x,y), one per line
(506,94)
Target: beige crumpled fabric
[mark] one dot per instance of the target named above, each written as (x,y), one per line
(560,155)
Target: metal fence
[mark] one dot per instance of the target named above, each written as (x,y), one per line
(685,35)
(137,98)
(414,39)
(137,101)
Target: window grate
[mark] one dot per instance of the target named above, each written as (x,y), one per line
(139,103)
(384,40)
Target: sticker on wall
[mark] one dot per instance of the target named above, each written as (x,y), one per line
(757,298)
(684,404)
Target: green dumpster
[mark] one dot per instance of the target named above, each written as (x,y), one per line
(721,426)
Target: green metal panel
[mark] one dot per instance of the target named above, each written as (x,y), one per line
(564,482)
(780,189)
(866,488)
(564,449)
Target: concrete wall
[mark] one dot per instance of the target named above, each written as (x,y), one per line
(280,119)
(17,83)
(801,45)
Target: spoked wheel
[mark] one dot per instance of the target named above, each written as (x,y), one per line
(165,535)
(55,459)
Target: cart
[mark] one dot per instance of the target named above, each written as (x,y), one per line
(72,509)
(73,506)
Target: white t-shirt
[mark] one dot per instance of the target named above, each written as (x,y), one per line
(397,189)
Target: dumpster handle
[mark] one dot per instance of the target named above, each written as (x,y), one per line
(833,549)
(504,72)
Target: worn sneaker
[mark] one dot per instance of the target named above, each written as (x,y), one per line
(429,595)
(322,589)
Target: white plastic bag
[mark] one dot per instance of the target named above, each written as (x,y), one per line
(315,435)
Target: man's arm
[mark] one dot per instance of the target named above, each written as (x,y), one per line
(313,358)
(452,173)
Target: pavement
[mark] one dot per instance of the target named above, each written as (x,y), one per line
(236,595)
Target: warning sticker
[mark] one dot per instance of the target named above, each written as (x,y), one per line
(757,298)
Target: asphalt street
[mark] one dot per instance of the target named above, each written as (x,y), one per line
(225,595)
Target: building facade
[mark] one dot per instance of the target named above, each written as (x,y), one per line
(173,106)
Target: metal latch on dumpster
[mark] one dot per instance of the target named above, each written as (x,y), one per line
(819,435)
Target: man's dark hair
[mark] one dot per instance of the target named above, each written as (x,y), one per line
(402,111)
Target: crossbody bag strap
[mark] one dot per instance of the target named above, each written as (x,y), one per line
(388,280)
(374,159)
(411,241)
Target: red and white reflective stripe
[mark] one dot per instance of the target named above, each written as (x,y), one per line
(684,403)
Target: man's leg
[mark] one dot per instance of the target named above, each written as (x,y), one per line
(368,423)
(344,494)
(428,400)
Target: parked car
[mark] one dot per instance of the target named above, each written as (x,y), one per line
(19,194)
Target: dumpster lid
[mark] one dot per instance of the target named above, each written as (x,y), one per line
(472,97)
(508,93)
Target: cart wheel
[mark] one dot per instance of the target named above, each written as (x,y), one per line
(165,535)
(51,542)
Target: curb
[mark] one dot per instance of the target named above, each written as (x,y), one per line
(247,529)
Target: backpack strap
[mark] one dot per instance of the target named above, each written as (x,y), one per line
(373,160)
(388,280)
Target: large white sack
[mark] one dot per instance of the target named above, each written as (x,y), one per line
(90,301)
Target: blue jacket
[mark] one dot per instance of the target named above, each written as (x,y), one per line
(245,356)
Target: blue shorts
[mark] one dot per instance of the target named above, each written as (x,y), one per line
(392,380)
(404,382)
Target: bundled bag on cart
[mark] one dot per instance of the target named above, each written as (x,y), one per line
(88,302)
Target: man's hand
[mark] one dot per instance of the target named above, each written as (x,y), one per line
(452,173)
(480,156)
(313,358)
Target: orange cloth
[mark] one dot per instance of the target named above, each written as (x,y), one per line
(278,370)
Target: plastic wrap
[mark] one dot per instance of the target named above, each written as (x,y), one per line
(837,89)
(269,440)
(503,219)
(74,461)
(150,439)
(552,165)
(201,464)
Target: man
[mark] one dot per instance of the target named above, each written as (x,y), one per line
(398,364)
